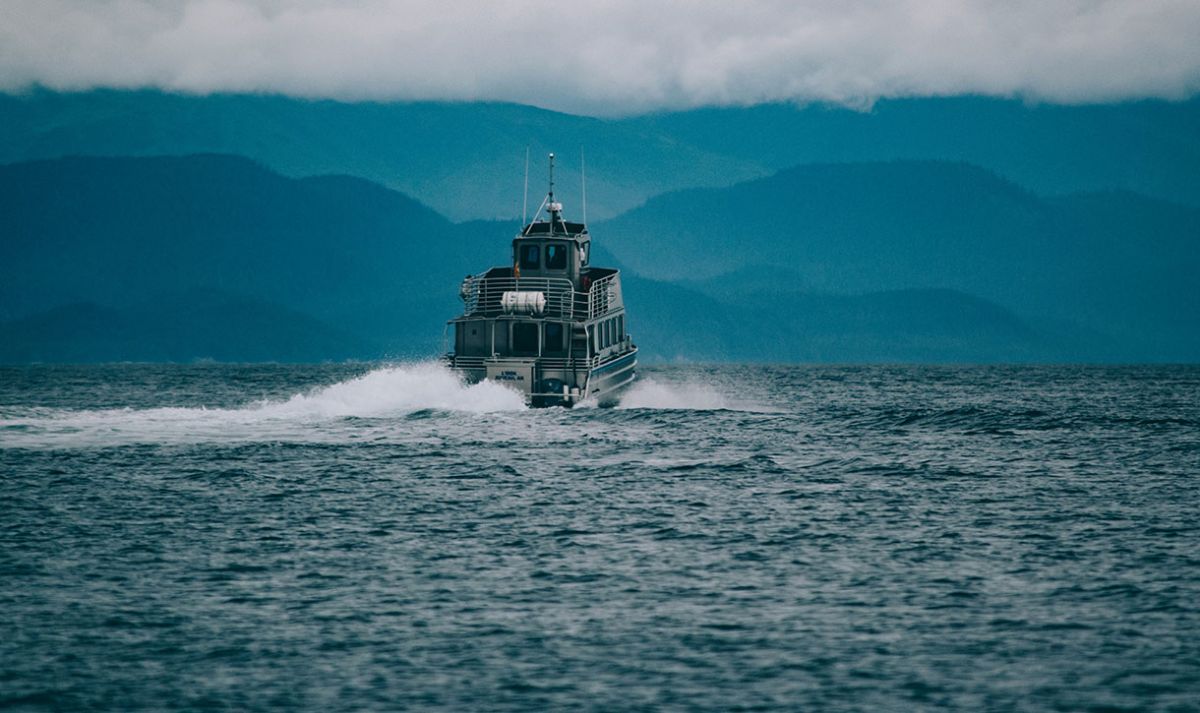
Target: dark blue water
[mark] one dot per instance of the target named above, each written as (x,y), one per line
(731,538)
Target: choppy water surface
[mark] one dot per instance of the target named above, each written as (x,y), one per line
(736,537)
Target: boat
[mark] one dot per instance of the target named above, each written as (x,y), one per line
(551,325)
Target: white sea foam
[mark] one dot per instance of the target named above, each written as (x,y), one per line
(389,391)
(398,389)
(648,393)
(691,395)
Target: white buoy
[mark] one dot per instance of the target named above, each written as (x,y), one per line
(524,302)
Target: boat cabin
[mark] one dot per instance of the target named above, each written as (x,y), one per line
(551,324)
(553,248)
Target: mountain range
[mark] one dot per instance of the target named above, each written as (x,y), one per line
(466,160)
(1115,265)
(220,257)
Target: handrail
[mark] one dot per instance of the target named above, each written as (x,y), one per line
(479,362)
(604,293)
(564,363)
(482,295)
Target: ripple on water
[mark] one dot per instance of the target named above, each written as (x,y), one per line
(846,538)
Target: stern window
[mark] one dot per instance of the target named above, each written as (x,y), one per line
(525,338)
(530,257)
(556,256)
(554,337)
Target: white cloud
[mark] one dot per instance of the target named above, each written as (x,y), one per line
(610,56)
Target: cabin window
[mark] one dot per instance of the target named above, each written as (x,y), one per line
(531,256)
(498,334)
(607,333)
(556,256)
(554,338)
(620,328)
(525,338)
(583,254)
(470,339)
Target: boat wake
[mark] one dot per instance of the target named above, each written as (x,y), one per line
(647,393)
(386,392)
(398,389)
(366,408)
(651,394)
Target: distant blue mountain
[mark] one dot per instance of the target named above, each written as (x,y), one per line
(676,323)
(185,326)
(1110,275)
(217,257)
(117,232)
(467,160)
(1148,147)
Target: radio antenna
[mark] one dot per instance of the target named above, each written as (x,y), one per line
(525,203)
(554,208)
(583,176)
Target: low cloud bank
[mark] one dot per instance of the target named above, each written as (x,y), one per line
(613,57)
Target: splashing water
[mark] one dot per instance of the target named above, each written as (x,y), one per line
(1023,536)
(362,408)
(648,393)
(394,390)
(385,392)
(690,395)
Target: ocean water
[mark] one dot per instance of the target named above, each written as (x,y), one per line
(368,537)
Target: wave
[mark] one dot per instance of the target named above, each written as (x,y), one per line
(383,392)
(646,393)
(399,389)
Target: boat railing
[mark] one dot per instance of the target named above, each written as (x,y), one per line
(604,296)
(484,295)
(544,363)
(567,364)
(463,362)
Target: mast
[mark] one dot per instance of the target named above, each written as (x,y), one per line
(553,207)
(525,202)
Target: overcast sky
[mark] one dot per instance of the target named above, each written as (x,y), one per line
(611,56)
